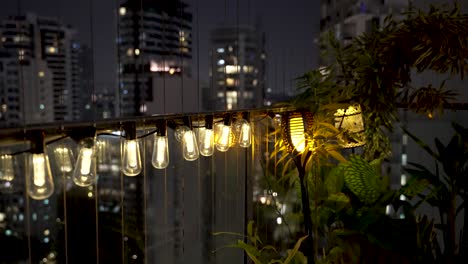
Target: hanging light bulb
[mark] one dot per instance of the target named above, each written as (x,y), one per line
(223,139)
(243,130)
(186,135)
(64,157)
(160,158)
(206,137)
(39,181)
(7,172)
(131,158)
(85,168)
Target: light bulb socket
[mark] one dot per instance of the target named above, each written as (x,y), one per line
(130,130)
(37,141)
(227,119)
(209,122)
(161,127)
(82,133)
(187,122)
(246,116)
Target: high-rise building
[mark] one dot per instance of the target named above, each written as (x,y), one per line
(41,63)
(155,46)
(237,68)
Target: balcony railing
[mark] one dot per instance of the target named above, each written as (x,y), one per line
(165,215)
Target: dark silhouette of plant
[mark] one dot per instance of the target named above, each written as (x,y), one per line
(446,184)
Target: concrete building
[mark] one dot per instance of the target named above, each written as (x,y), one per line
(237,68)
(42,54)
(155,46)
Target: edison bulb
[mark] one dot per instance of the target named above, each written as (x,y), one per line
(160,158)
(189,146)
(131,159)
(64,158)
(206,141)
(39,177)
(7,172)
(85,168)
(223,140)
(243,130)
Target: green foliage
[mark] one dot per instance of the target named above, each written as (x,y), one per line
(362,179)
(444,185)
(375,70)
(261,253)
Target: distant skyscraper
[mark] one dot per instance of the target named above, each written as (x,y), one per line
(237,68)
(155,46)
(42,78)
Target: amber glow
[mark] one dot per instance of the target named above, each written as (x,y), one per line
(296,130)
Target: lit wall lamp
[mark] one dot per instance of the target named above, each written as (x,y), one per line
(294,128)
(223,139)
(244,131)
(131,157)
(351,120)
(39,181)
(160,158)
(84,173)
(206,137)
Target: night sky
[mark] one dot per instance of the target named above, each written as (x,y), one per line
(290,28)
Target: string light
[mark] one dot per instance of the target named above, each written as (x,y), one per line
(131,157)
(243,130)
(40,184)
(186,135)
(39,181)
(206,137)
(222,142)
(85,167)
(160,158)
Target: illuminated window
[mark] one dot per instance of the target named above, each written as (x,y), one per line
(220,94)
(248,95)
(122,11)
(51,50)
(41,74)
(404,159)
(220,50)
(21,54)
(403,179)
(247,68)
(137,52)
(230,81)
(143,108)
(232,69)
(182,36)
(42,106)
(231,98)
(230,48)
(130,52)
(221,62)
(255,82)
